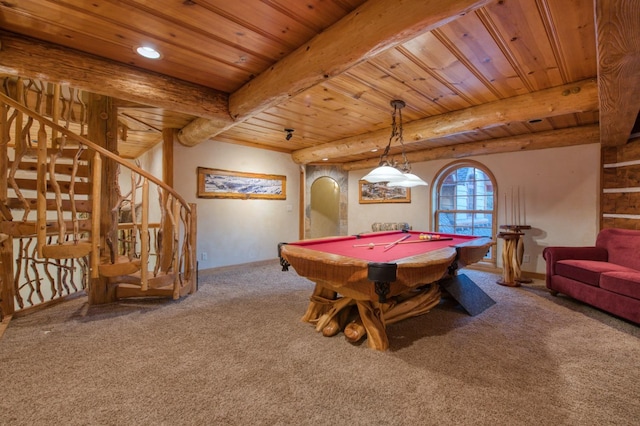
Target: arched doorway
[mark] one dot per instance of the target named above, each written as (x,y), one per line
(325,208)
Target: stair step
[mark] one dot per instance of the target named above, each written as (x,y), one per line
(62,169)
(120,268)
(124,291)
(23,229)
(5,212)
(80,188)
(82,206)
(159,281)
(67,250)
(68,152)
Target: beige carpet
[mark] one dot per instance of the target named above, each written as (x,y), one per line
(236,353)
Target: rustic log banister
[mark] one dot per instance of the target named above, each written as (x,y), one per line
(95,220)
(55,164)
(72,207)
(144,240)
(41,190)
(104,152)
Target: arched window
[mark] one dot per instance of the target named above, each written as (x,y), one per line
(464,201)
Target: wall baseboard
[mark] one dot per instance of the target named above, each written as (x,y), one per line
(495,270)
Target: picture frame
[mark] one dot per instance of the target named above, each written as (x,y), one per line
(371,193)
(218,183)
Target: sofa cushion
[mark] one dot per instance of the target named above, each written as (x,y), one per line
(623,246)
(622,282)
(587,271)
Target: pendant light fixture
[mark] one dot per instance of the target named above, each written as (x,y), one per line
(388,171)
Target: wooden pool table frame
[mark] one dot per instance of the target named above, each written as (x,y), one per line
(414,291)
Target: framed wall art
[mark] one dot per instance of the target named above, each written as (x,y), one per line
(217,183)
(370,193)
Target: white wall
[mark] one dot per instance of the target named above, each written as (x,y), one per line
(560,186)
(150,161)
(234,231)
(415,213)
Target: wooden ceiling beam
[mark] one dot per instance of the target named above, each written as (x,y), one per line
(571,98)
(542,140)
(618,44)
(35,59)
(374,27)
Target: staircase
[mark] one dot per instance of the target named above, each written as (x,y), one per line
(65,226)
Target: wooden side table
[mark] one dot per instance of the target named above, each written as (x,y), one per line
(512,255)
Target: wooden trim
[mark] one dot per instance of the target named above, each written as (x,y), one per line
(168,138)
(301,203)
(37,308)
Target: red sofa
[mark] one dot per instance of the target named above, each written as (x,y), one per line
(606,275)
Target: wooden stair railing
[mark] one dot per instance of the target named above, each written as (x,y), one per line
(70,235)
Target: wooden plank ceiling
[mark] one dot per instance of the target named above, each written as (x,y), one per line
(477,76)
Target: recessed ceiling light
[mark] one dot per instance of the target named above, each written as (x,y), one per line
(325,159)
(148,52)
(374,150)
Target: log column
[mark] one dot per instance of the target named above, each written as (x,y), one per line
(103,130)
(7,296)
(169,136)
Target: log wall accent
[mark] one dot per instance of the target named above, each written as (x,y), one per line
(379,24)
(41,60)
(570,98)
(542,140)
(620,200)
(618,32)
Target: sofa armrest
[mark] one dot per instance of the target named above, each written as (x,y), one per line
(555,254)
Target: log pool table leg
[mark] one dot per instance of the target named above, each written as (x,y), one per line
(373,321)
(320,303)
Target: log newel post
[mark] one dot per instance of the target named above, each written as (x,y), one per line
(102,129)
(144,237)
(193,234)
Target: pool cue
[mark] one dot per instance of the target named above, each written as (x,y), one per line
(426,241)
(405,242)
(393,244)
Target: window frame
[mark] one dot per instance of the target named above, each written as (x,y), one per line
(439,181)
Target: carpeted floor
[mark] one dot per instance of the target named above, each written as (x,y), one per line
(236,353)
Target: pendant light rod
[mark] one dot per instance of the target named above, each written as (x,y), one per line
(387,171)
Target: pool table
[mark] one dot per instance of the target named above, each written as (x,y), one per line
(366,281)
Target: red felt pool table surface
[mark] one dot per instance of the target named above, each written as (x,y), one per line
(351,246)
